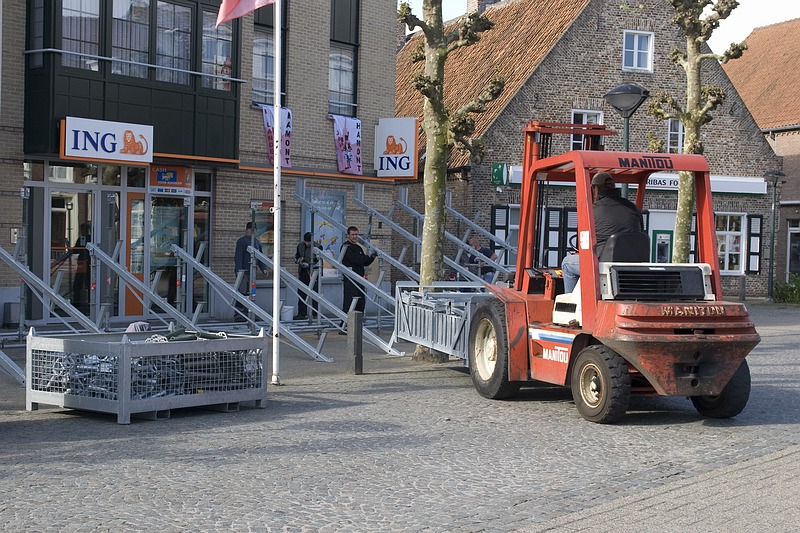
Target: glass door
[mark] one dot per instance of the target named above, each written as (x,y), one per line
(71,216)
(168,219)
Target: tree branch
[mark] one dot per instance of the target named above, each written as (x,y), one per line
(468,31)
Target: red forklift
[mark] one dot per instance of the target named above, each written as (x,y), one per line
(631,326)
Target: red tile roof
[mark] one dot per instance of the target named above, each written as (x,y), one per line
(524,33)
(767,76)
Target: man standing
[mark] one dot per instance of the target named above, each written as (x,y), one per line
(241,260)
(354,258)
(612,214)
(485,271)
(306,262)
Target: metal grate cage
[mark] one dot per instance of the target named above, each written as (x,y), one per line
(137,374)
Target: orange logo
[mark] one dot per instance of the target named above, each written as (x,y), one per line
(131,146)
(395,148)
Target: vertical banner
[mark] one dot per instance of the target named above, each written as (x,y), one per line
(286,138)
(347,134)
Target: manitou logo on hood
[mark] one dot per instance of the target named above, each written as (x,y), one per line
(648,161)
(84,138)
(396,147)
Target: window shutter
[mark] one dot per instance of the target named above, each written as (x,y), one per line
(570,225)
(693,241)
(754,224)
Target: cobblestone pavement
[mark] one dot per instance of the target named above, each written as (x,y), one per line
(412,447)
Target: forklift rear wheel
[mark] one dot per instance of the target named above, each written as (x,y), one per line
(488,352)
(731,400)
(601,384)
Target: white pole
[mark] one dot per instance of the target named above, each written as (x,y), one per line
(276,208)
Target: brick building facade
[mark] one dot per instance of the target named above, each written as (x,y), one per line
(558,69)
(207,131)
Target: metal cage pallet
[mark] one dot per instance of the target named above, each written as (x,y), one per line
(132,375)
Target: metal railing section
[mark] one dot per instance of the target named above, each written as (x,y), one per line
(437,316)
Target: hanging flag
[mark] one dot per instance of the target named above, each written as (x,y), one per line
(286,137)
(233,9)
(347,135)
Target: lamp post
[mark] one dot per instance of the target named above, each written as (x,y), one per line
(773,176)
(626,99)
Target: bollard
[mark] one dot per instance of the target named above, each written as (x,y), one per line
(742,288)
(355,345)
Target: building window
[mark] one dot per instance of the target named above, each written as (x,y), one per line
(674,136)
(173,42)
(80,33)
(730,237)
(637,51)
(130,35)
(341,81)
(583,116)
(263,66)
(36,33)
(217,46)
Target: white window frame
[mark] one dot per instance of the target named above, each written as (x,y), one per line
(675,147)
(596,116)
(731,242)
(637,63)
(263,65)
(342,80)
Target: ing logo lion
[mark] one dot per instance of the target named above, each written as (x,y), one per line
(393,147)
(131,146)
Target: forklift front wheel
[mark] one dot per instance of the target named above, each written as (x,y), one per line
(488,352)
(601,384)
(731,400)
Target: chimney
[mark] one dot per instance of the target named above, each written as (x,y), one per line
(479,5)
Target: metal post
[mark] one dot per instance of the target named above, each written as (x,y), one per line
(355,344)
(626,132)
(25,192)
(772,239)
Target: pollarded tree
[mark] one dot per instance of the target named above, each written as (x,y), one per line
(698,22)
(443,128)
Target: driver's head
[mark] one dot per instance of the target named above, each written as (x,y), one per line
(600,182)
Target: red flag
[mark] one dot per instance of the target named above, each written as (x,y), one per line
(233,9)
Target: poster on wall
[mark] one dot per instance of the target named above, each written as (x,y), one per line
(170,180)
(264,227)
(324,233)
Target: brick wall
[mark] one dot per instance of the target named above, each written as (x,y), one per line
(586,63)
(12,94)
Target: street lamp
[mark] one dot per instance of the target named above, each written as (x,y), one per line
(773,176)
(626,99)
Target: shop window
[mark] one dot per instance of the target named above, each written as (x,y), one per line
(80,33)
(79,173)
(137,177)
(637,51)
(730,237)
(217,46)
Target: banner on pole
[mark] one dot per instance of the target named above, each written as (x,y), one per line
(233,9)
(286,136)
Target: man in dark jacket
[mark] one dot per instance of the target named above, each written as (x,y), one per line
(612,214)
(306,262)
(354,258)
(241,259)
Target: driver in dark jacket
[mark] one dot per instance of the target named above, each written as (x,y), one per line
(612,214)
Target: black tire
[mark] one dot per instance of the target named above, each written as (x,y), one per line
(488,351)
(601,384)
(731,401)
